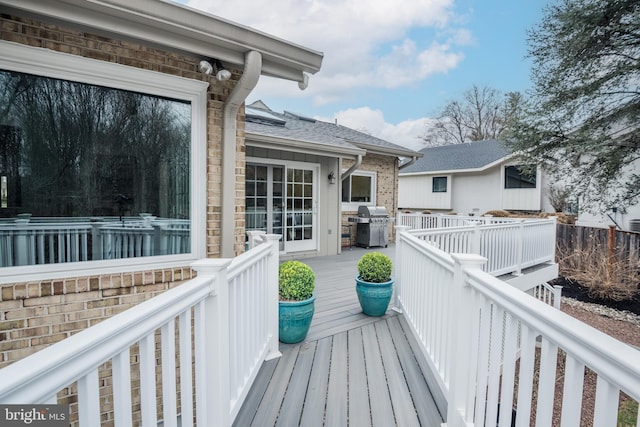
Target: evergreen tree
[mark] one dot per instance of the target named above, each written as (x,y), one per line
(583,119)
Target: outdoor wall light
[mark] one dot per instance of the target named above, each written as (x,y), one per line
(332,178)
(207,68)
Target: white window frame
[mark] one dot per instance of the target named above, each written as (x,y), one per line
(353,206)
(43,62)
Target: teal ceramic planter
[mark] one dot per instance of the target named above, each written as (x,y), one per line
(374,297)
(295,319)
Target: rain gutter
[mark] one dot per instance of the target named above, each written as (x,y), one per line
(248,81)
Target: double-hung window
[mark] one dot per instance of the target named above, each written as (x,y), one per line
(98,166)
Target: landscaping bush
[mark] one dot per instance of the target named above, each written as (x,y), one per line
(296,281)
(606,278)
(499,213)
(374,267)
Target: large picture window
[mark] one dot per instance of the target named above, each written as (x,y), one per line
(90,172)
(520,177)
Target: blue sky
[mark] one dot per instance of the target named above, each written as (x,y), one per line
(390,66)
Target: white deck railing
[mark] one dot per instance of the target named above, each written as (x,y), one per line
(492,346)
(31,241)
(228,315)
(418,220)
(510,247)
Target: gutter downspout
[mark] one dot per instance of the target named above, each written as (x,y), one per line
(409,163)
(352,169)
(248,81)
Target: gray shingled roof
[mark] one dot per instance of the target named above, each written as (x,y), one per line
(471,155)
(287,125)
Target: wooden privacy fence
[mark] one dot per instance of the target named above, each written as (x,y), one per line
(621,246)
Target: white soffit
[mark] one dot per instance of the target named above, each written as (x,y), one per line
(166,24)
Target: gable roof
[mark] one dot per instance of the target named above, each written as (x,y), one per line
(306,132)
(469,156)
(181,28)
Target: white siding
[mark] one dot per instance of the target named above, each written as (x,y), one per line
(521,199)
(415,192)
(476,192)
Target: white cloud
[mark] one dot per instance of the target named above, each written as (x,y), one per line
(364,119)
(376,44)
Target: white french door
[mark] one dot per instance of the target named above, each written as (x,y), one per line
(283,199)
(301,208)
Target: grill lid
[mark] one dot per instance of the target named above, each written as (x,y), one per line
(372,212)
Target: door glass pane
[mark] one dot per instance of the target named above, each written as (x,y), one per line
(300,205)
(264,202)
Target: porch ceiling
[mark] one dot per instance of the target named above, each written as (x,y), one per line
(166,24)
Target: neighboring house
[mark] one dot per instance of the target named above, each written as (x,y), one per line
(305,177)
(470,178)
(625,218)
(121,159)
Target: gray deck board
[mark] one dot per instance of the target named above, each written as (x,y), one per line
(359,409)
(404,409)
(293,402)
(316,397)
(352,369)
(336,410)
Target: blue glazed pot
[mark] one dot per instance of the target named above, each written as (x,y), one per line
(295,319)
(374,297)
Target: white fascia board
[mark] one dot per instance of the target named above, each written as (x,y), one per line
(387,151)
(166,24)
(454,171)
(298,146)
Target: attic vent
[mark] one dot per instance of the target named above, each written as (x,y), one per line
(634,225)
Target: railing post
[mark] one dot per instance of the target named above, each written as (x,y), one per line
(519,247)
(462,322)
(475,242)
(253,237)
(96,238)
(272,296)
(213,406)
(397,289)
(557,296)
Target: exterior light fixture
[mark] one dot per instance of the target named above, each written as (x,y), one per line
(332,178)
(205,67)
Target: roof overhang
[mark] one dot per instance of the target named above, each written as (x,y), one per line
(298,146)
(454,171)
(387,151)
(176,27)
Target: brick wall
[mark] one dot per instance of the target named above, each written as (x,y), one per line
(35,315)
(387,186)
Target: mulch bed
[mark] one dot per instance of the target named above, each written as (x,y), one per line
(573,289)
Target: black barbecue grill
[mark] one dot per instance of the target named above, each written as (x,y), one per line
(372,225)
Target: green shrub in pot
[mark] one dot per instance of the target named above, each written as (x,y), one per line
(374,285)
(296,282)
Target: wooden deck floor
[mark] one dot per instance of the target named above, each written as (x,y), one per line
(352,370)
